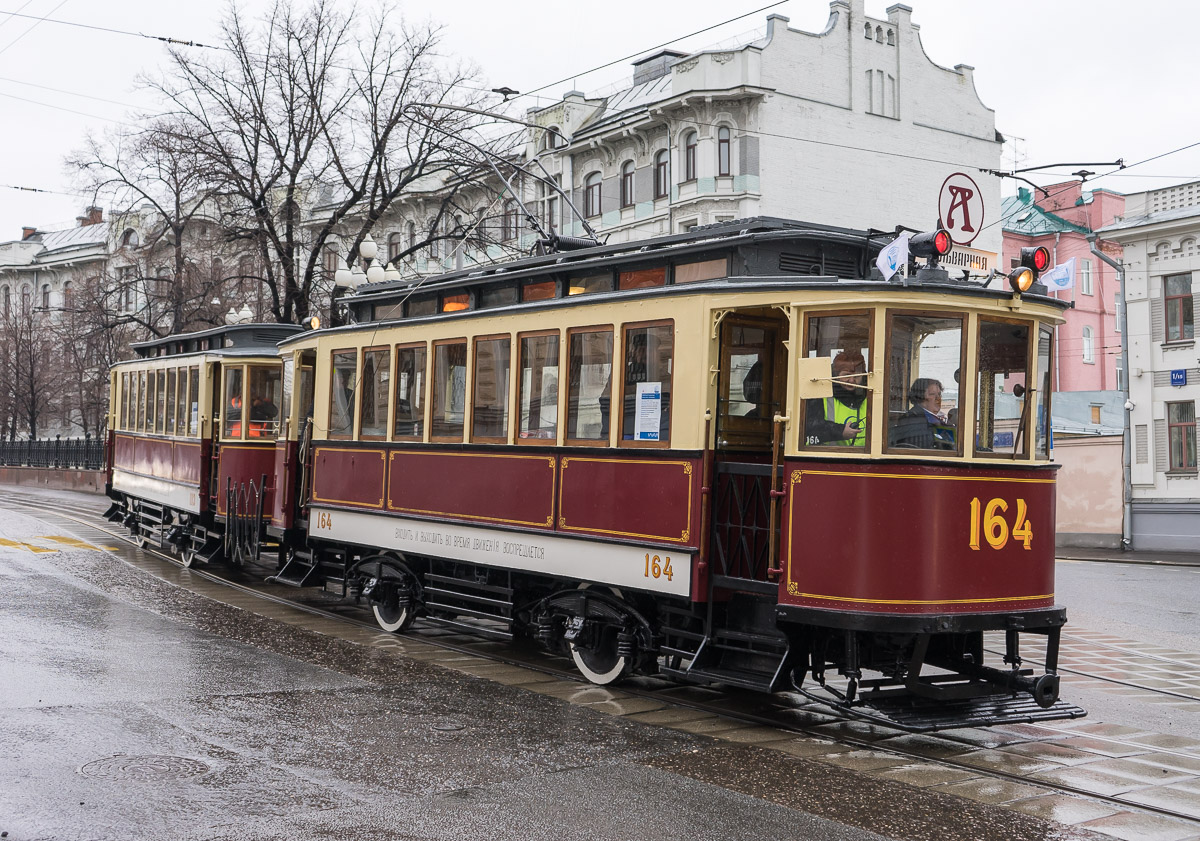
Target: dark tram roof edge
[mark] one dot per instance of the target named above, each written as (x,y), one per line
(226,337)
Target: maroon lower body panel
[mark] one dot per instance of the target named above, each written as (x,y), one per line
(646,496)
(909,539)
(241,464)
(283,511)
(166,463)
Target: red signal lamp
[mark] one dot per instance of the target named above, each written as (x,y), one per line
(931,244)
(1037,258)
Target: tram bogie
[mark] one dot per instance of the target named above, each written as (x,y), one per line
(728,457)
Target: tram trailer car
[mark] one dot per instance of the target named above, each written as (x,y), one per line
(731,456)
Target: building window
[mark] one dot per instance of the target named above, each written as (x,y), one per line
(689,156)
(1181,433)
(723,147)
(661,173)
(1085,277)
(1089,345)
(1117,309)
(45,296)
(1177,290)
(411,231)
(552,138)
(26,296)
(394,246)
(591,195)
(627,184)
(66,293)
(129,238)
(508,222)
(6,300)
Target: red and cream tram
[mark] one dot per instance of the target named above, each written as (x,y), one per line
(726,456)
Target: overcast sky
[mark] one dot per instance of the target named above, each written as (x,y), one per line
(1075,80)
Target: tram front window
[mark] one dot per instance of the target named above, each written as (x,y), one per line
(233,402)
(924,360)
(1001,419)
(342,393)
(266,386)
(841,420)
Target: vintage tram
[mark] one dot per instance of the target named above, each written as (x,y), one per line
(730,456)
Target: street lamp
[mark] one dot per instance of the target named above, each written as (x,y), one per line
(348,278)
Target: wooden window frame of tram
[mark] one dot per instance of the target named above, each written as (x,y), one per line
(889,315)
(611,329)
(394,397)
(1031,375)
(735,423)
(471,437)
(867,449)
(359,435)
(515,410)
(645,445)
(223,367)
(469,362)
(343,436)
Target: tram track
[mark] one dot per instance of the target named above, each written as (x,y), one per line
(741,710)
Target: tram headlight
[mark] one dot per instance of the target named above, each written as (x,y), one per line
(1021,278)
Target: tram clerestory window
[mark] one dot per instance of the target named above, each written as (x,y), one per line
(410,392)
(589,384)
(233,403)
(376,384)
(489,416)
(1001,401)
(449,389)
(647,372)
(924,358)
(842,420)
(538,404)
(266,386)
(342,393)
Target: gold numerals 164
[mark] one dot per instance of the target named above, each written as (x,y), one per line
(989,518)
(657,567)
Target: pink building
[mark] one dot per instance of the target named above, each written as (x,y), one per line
(1089,344)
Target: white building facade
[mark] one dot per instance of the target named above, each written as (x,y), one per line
(1160,232)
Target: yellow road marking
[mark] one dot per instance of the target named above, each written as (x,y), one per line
(73,542)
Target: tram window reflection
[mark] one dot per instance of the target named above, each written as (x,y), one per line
(410,391)
(266,385)
(1043,434)
(172,387)
(924,358)
(160,413)
(649,358)
(151,395)
(342,392)
(589,384)
(124,400)
(841,420)
(489,416)
(193,402)
(590,285)
(1003,382)
(233,402)
(538,402)
(140,400)
(449,389)
(376,384)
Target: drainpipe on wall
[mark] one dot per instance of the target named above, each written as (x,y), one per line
(1126,454)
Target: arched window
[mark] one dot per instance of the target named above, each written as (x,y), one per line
(26,295)
(435,246)
(5,300)
(45,296)
(689,156)
(591,195)
(410,229)
(552,138)
(393,250)
(661,173)
(627,184)
(891,38)
(130,238)
(66,294)
(723,151)
(1089,345)
(868,29)
(508,222)
(879,34)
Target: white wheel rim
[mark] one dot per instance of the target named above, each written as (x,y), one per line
(390,627)
(598,678)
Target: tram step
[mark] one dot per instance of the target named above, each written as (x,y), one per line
(299,571)
(757,681)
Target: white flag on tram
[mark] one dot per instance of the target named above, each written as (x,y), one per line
(1061,276)
(893,257)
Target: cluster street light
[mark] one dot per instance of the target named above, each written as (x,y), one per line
(348,278)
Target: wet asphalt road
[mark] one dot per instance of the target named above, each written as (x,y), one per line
(130,709)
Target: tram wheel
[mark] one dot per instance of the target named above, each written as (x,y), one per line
(601,664)
(393,618)
(187,557)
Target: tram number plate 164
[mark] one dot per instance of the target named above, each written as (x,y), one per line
(990,519)
(659,567)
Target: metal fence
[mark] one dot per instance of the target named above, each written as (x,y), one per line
(66,454)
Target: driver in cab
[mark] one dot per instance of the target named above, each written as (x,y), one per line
(842,418)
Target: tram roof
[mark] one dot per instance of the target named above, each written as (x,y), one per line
(232,339)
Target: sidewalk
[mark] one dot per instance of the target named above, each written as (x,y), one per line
(1070,553)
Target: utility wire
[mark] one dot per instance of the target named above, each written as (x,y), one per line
(165,39)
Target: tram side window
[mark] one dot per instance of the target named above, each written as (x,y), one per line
(924,358)
(538,404)
(266,387)
(193,429)
(289,386)
(140,400)
(449,389)
(172,385)
(233,403)
(376,384)
(1043,434)
(649,359)
(124,400)
(1001,422)
(843,419)
(160,414)
(489,416)
(342,392)
(589,384)
(151,394)
(410,392)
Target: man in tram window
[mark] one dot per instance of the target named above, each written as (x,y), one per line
(842,418)
(263,412)
(923,426)
(233,417)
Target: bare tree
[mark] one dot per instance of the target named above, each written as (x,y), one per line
(312,108)
(30,370)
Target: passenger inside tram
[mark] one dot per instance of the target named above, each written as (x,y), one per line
(923,426)
(841,418)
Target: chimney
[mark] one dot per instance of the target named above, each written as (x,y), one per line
(92,216)
(26,233)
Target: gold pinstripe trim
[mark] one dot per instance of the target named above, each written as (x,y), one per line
(317,451)
(684,536)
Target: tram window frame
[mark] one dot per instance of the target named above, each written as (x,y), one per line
(193,418)
(497,295)
(702,268)
(602,399)
(421,386)
(664,441)
(140,398)
(457,430)
(172,400)
(226,399)
(889,326)
(592,284)
(831,447)
(181,376)
(536,289)
(519,387)
(356,388)
(1043,446)
(151,402)
(160,402)
(746,431)
(452,302)
(420,306)
(124,420)
(260,428)
(386,352)
(649,277)
(1021,431)
(502,400)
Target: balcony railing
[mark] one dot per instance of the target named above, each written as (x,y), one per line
(58,453)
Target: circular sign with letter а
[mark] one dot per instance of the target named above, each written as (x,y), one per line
(960,208)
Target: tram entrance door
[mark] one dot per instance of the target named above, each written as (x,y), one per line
(750,393)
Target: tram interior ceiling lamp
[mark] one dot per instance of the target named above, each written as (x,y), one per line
(931,246)
(1024,278)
